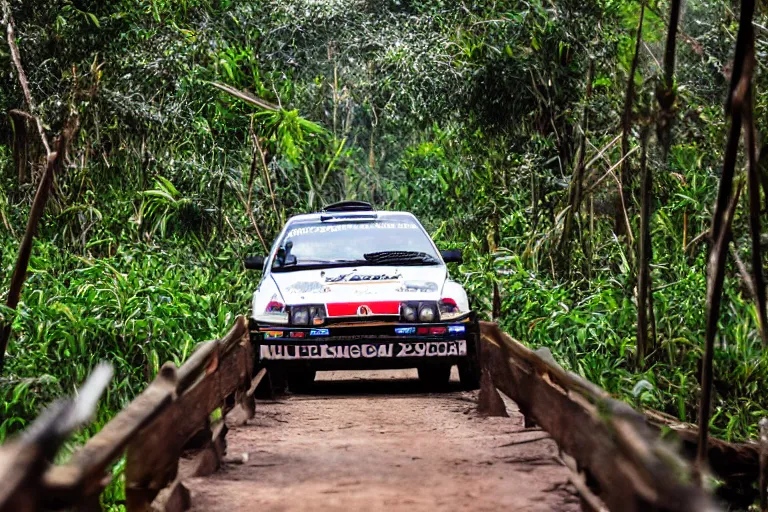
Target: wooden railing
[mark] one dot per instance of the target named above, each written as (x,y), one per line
(153,431)
(620,459)
(616,453)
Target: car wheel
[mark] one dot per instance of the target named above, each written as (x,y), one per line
(277,383)
(469,373)
(435,377)
(301,381)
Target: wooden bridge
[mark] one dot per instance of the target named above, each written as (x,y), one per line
(173,439)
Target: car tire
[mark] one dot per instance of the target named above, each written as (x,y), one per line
(301,381)
(469,373)
(469,367)
(435,377)
(277,382)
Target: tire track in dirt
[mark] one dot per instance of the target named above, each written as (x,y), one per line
(383,444)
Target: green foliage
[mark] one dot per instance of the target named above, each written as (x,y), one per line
(138,309)
(466,114)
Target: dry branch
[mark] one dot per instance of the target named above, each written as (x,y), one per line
(54,165)
(247,97)
(15,56)
(578,173)
(265,168)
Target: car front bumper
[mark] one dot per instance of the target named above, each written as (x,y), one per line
(376,345)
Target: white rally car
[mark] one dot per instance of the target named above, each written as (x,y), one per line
(354,288)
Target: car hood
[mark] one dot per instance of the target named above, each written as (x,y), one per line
(355,284)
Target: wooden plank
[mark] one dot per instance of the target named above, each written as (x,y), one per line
(607,438)
(24,461)
(192,369)
(156,424)
(20,464)
(84,474)
(256,381)
(732,462)
(152,458)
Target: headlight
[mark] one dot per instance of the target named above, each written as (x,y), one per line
(427,313)
(300,316)
(308,315)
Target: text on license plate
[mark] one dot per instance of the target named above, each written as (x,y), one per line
(364,350)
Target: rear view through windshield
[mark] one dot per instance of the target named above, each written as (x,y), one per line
(397,241)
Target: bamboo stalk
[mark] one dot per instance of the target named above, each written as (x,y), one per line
(644,255)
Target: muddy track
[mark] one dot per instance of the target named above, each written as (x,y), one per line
(374,441)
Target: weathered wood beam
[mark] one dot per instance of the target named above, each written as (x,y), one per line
(732,462)
(214,373)
(609,440)
(205,355)
(84,474)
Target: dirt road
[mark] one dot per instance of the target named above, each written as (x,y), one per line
(362,444)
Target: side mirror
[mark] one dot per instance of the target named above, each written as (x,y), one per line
(452,256)
(254,262)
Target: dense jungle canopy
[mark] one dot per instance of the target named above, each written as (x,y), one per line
(204,124)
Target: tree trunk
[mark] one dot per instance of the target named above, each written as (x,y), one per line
(753,179)
(665,93)
(626,125)
(723,214)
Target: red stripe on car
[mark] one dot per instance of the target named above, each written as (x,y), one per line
(373,308)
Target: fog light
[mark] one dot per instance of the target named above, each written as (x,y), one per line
(317,315)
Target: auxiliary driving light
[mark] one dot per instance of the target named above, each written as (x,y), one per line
(413,311)
(409,313)
(427,313)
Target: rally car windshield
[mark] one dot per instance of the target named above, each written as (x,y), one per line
(399,242)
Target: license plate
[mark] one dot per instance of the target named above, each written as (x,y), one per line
(364,350)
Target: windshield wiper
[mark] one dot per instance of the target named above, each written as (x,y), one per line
(401,258)
(311,264)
